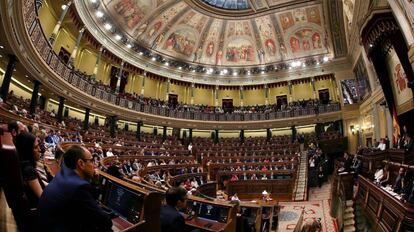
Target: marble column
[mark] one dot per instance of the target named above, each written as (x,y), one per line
(55,31)
(138,134)
(35,96)
(119,77)
(266,94)
(97,63)
(7,77)
(167,89)
(143,84)
(86,119)
(76,48)
(216,94)
(192,93)
(241,96)
(60,109)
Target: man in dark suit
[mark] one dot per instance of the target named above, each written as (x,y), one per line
(171,219)
(67,203)
(398,186)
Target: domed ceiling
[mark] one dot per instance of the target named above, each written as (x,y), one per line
(214,33)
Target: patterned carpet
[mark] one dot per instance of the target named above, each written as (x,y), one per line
(314,210)
(317,207)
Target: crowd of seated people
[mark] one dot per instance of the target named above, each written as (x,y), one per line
(182,107)
(401,184)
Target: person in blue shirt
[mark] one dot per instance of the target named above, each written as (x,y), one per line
(67,203)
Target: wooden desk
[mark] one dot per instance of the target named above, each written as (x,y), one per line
(120,224)
(386,211)
(201,223)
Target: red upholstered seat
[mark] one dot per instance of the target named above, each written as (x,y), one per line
(3,128)
(12,182)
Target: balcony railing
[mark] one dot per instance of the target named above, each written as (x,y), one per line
(84,84)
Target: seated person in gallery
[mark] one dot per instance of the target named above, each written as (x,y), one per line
(382,175)
(399,184)
(382,145)
(346,167)
(356,165)
(408,143)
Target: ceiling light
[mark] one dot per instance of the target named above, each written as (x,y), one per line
(303,65)
(1,56)
(370,45)
(93,1)
(263,72)
(166,63)
(64,7)
(129,46)
(235,74)
(140,53)
(225,71)
(290,67)
(193,70)
(248,72)
(108,26)
(99,14)
(325,59)
(153,59)
(1,46)
(26,75)
(179,67)
(317,63)
(118,37)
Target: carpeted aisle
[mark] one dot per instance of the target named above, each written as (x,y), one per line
(317,207)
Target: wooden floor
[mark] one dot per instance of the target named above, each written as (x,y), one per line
(7,223)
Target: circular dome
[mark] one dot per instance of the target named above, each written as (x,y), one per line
(184,34)
(228,4)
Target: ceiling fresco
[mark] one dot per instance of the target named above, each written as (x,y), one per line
(177,29)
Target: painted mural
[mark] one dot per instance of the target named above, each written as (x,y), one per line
(181,41)
(174,28)
(130,12)
(239,50)
(399,81)
(267,36)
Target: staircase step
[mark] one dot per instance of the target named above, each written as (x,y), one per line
(349,229)
(349,222)
(349,216)
(349,210)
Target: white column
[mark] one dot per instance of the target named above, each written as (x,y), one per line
(192,93)
(52,38)
(167,91)
(143,84)
(75,49)
(97,63)
(216,90)
(241,96)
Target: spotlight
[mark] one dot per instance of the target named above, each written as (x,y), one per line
(108,26)
(64,7)
(118,37)
(325,59)
(99,14)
